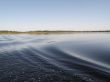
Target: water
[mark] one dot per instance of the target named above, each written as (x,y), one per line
(55,58)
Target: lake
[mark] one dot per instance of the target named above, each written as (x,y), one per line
(77,57)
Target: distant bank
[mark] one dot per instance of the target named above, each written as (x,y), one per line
(48,32)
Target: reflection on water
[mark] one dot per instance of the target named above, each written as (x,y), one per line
(55,58)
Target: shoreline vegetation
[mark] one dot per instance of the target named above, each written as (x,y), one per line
(49,32)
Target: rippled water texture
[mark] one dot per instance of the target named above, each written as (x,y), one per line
(55,58)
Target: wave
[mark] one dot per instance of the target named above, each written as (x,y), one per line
(30,58)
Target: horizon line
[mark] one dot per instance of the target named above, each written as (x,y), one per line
(53,30)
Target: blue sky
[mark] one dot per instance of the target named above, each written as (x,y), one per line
(24,15)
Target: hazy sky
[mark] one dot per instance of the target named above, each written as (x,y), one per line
(26,15)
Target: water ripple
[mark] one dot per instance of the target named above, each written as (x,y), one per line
(31,58)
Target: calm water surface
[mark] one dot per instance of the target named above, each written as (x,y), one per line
(55,58)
